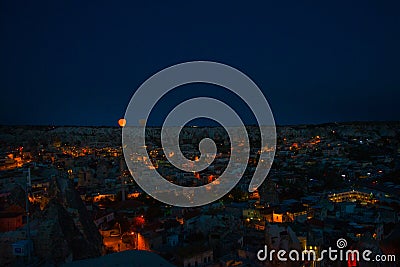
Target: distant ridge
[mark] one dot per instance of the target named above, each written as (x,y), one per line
(324,124)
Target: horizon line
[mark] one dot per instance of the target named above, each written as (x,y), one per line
(202,126)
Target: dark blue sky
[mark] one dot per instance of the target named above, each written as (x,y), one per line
(78,63)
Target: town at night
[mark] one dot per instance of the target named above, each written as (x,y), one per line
(199,134)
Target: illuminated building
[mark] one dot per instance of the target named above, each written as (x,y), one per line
(353,196)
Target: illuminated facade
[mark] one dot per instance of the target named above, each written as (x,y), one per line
(353,196)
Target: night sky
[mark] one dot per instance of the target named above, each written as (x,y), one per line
(79,63)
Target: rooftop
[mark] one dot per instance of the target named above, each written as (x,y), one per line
(133,258)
